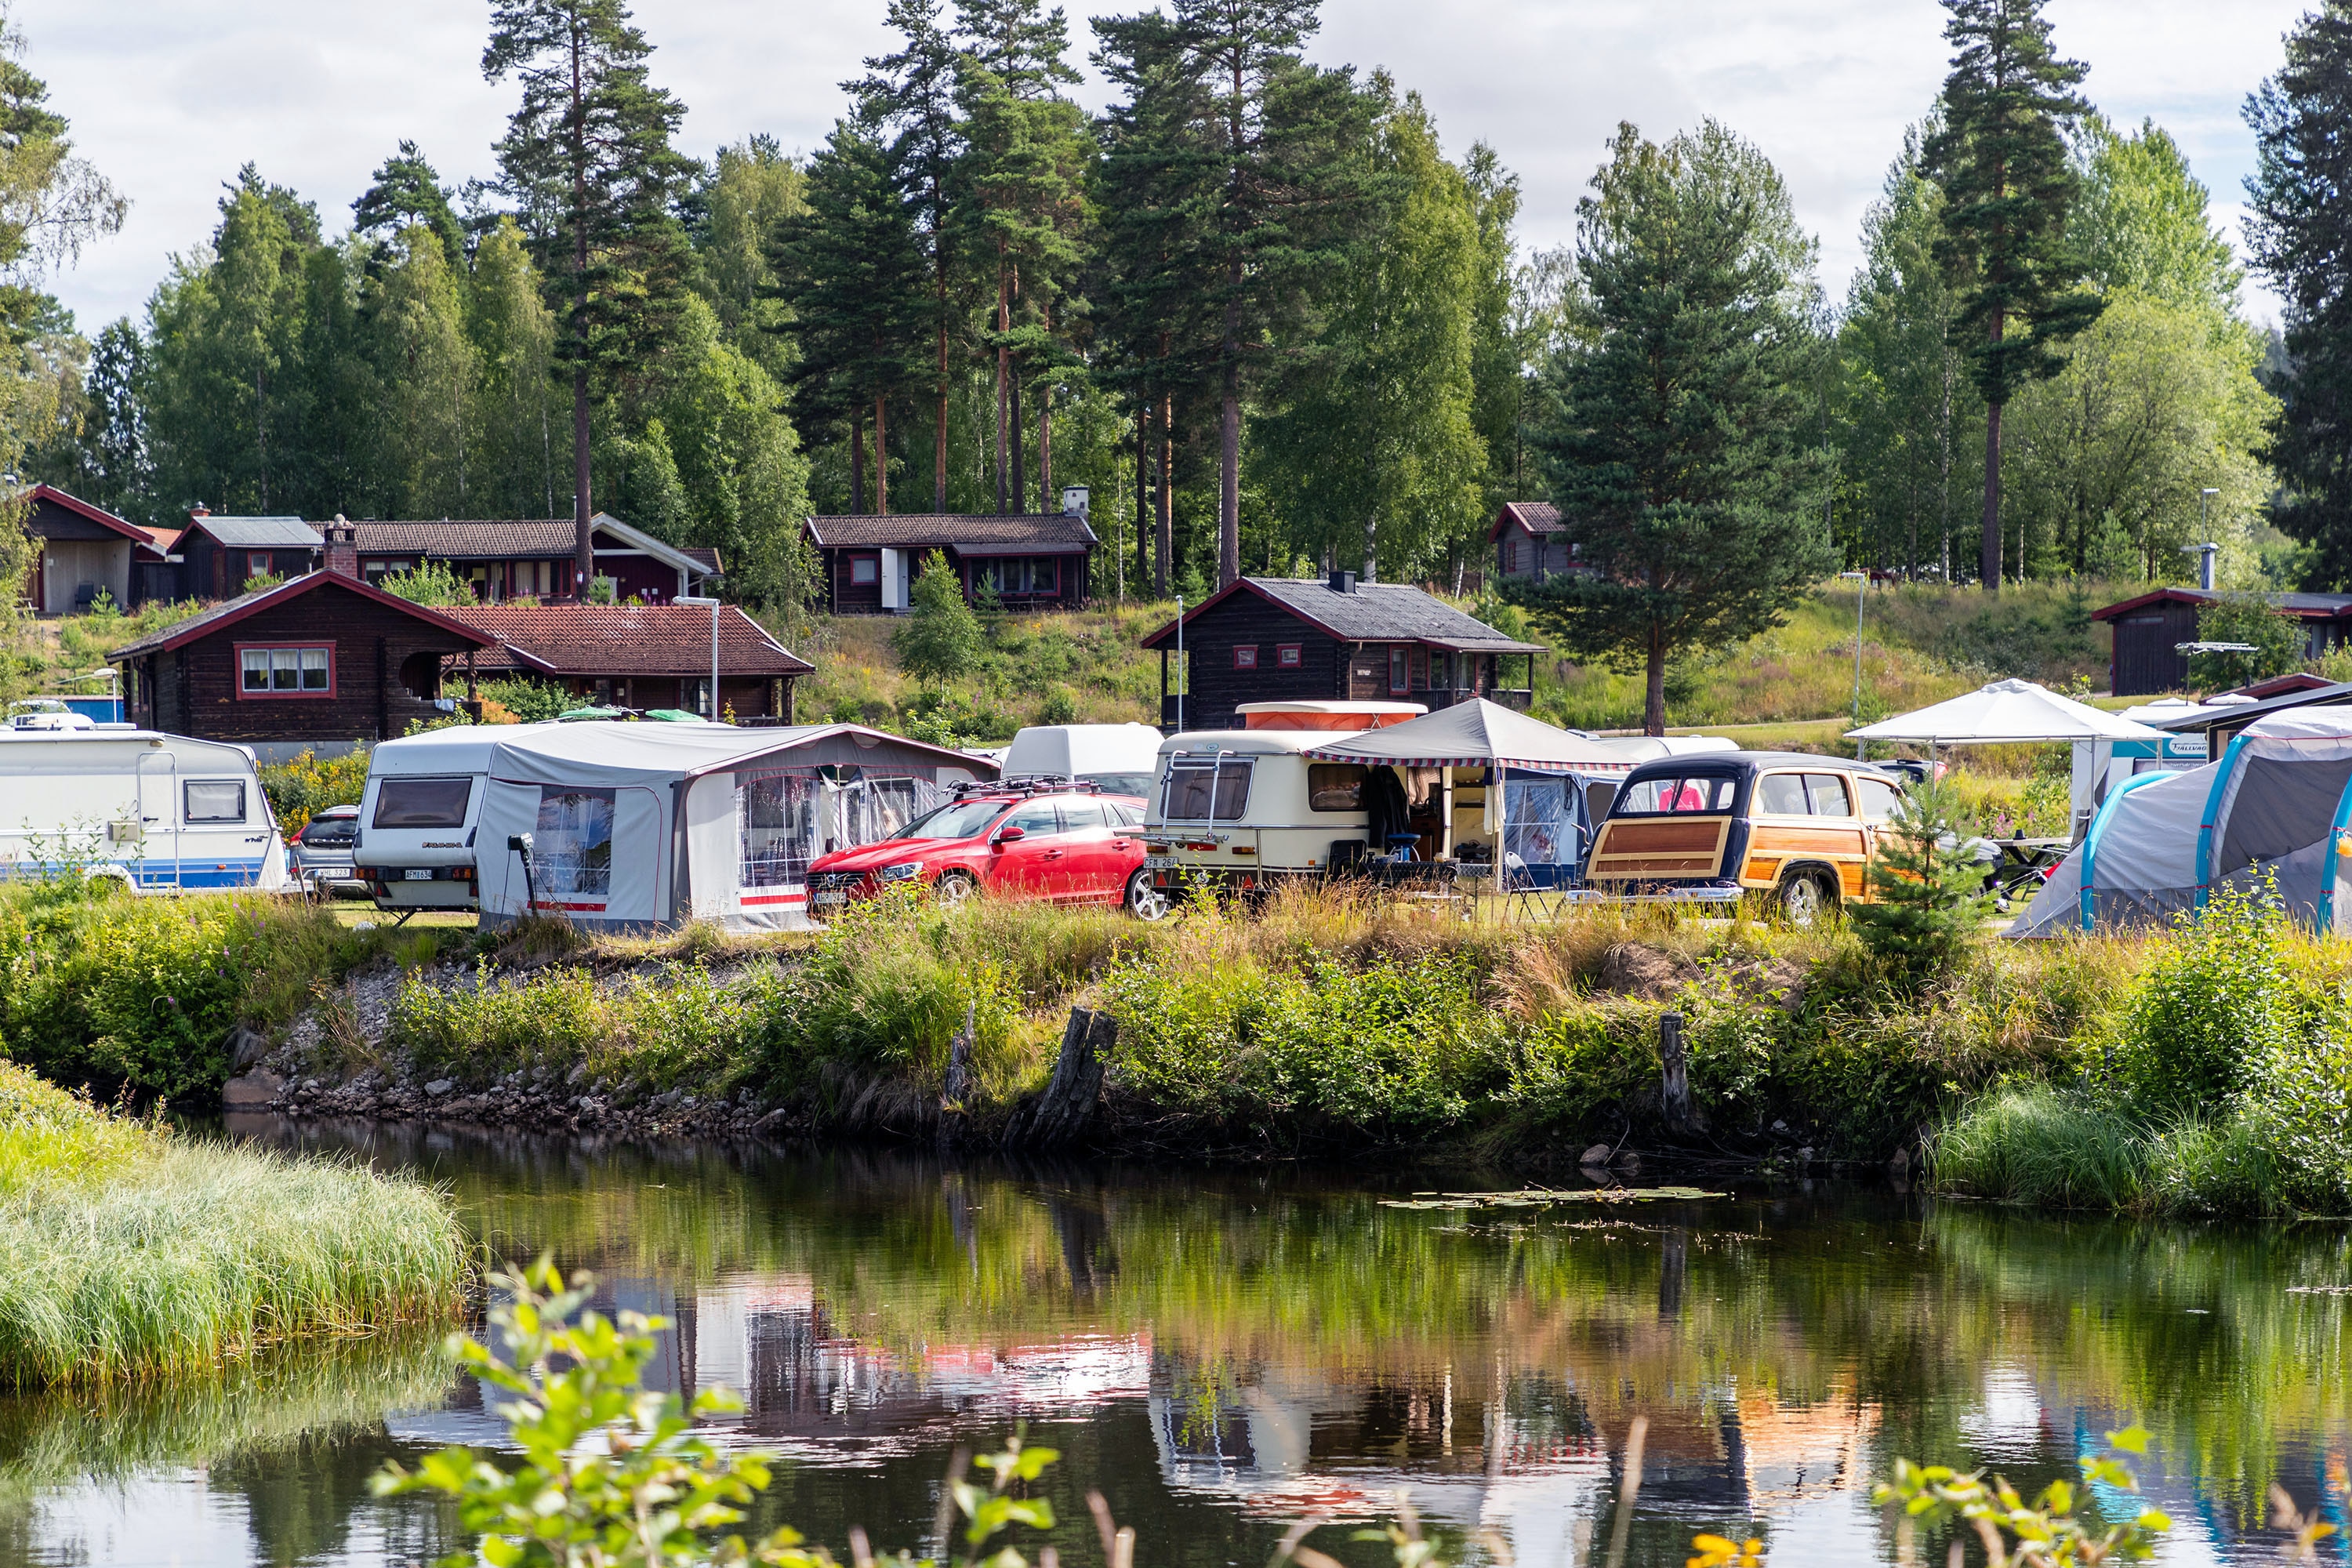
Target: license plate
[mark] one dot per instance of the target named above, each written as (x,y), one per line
(1159,862)
(829,898)
(416,876)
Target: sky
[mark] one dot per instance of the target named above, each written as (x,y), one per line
(169,98)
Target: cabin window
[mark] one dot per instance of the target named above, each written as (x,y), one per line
(285,671)
(1288,656)
(1016,576)
(256,563)
(1511,556)
(571,845)
(1400,670)
(422,803)
(1420,668)
(212,800)
(865,571)
(1245,656)
(1440,671)
(1193,780)
(1334,786)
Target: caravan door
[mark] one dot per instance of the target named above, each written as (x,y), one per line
(158,820)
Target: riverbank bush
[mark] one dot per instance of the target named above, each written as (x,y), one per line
(129,1252)
(103,988)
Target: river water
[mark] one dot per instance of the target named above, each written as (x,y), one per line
(1222,1353)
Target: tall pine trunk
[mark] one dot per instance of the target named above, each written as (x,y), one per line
(584,532)
(1003,369)
(939,440)
(1229,456)
(1020,460)
(881,455)
(857,461)
(1654,698)
(1989,566)
(1142,493)
(1166,549)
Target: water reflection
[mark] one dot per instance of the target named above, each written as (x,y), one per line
(1223,1353)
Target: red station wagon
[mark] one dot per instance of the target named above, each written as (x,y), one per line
(1059,841)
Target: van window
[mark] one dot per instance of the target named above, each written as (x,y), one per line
(421,802)
(1781,795)
(1879,798)
(1334,786)
(1186,795)
(212,800)
(1118,783)
(1647,798)
(1826,794)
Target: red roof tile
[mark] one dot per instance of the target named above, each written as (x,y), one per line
(625,639)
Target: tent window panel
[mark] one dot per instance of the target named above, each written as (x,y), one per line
(2281,806)
(571,843)
(866,808)
(1540,828)
(778,831)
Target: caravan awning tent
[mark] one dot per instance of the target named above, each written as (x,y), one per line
(2276,809)
(1542,820)
(640,826)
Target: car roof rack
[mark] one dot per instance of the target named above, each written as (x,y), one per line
(1027,783)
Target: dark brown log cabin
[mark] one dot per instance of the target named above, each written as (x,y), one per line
(1032,561)
(323,661)
(219,554)
(1274,639)
(1530,541)
(2148,631)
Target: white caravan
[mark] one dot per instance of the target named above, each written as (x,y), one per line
(1117,759)
(162,813)
(424,799)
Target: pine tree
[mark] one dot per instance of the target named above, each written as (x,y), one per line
(2299,236)
(406,192)
(1279,132)
(853,272)
(913,94)
(1680,440)
(2008,185)
(1931,905)
(587,154)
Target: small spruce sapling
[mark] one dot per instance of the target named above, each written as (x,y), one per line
(942,639)
(1930,903)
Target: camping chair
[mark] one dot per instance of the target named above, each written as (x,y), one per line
(1521,894)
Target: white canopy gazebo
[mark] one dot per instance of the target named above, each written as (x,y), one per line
(2008,712)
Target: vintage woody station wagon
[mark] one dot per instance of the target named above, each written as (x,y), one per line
(1715,828)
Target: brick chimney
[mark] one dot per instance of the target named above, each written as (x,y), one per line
(342,548)
(200,511)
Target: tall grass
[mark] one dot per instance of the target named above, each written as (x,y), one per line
(2050,1147)
(128,1253)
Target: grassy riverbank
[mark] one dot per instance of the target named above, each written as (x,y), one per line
(128,1252)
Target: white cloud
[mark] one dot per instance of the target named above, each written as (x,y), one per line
(170,97)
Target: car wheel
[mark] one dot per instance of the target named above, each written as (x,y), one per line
(1145,902)
(1803,902)
(954,888)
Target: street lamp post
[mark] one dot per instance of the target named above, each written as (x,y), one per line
(1861,588)
(698,599)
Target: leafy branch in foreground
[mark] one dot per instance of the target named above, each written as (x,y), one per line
(2040,1535)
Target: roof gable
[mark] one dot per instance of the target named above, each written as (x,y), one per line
(228,614)
(964,532)
(1538,517)
(88,513)
(2305,606)
(1373,612)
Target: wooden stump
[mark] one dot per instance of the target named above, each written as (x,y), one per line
(1682,1113)
(1062,1114)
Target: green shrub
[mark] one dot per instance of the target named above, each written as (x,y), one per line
(1573,1064)
(2215,1003)
(942,638)
(531,701)
(2038,1144)
(306,785)
(97,986)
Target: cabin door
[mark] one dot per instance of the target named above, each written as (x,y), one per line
(159,819)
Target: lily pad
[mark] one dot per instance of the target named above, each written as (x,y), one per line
(1537,1197)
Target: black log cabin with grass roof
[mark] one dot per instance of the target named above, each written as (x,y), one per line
(1287,639)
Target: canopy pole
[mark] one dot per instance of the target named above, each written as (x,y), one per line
(1503,841)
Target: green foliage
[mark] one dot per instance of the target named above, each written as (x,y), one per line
(1679,444)
(2213,1008)
(260,582)
(101,986)
(128,1252)
(306,784)
(2050,1147)
(2046,1532)
(531,701)
(942,639)
(1931,905)
(2278,640)
(434,582)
